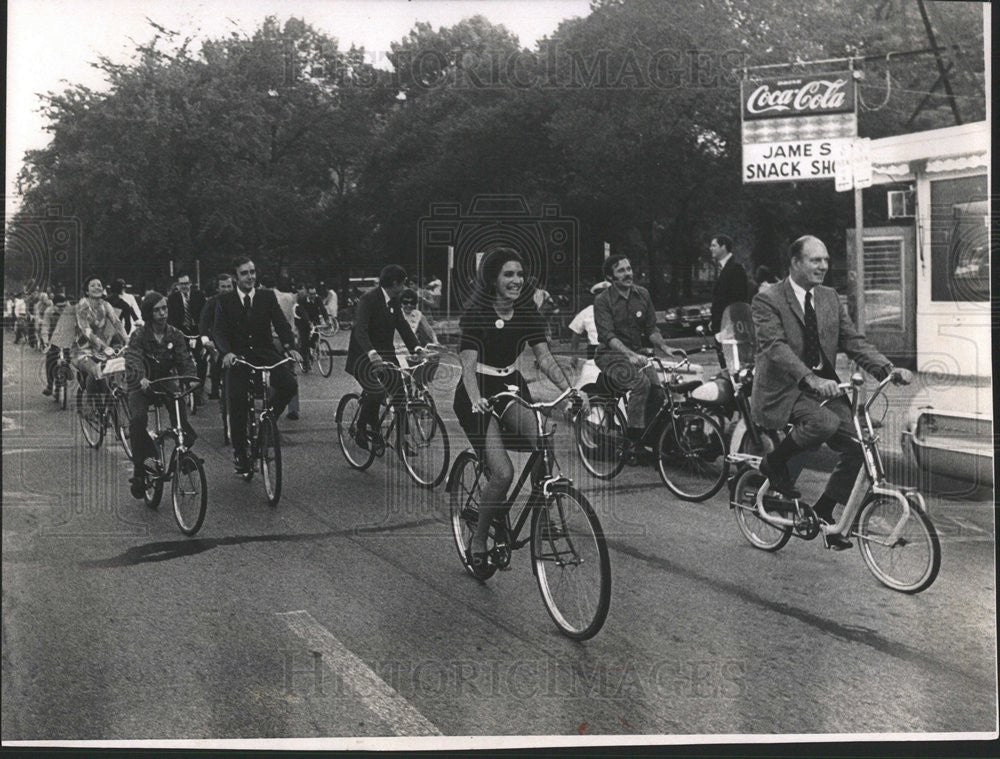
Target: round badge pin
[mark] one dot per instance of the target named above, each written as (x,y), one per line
(499,323)
(638,314)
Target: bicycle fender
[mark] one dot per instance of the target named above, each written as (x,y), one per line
(468,453)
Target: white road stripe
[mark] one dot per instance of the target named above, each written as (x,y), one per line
(401,716)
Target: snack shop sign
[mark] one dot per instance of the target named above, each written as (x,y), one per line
(794,128)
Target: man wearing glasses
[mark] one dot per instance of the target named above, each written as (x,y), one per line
(243,322)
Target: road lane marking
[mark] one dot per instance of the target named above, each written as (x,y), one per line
(401,716)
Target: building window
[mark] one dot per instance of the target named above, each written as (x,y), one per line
(884,282)
(960,240)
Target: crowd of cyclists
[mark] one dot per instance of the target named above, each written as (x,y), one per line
(250,322)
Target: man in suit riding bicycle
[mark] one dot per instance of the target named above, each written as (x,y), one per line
(377,318)
(243,321)
(800,326)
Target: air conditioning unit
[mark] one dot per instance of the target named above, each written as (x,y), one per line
(901,204)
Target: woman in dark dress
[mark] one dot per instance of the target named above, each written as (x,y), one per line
(500,321)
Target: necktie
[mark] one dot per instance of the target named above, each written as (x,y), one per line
(246,304)
(812,334)
(187,314)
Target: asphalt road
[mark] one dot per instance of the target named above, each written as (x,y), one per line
(345,610)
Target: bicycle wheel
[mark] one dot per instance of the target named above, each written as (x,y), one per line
(571,562)
(269,451)
(600,438)
(691,456)
(760,534)
(910,563)
(189,493)
(123,421)
(424,449)
(348,411)
(61,384)
(331,329)
(154,485)
(464,488)
(92,424)
(324,358)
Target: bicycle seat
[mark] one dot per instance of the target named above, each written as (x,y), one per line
(683,388)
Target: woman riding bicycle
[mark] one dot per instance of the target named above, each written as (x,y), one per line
(500,320)
(154,349)
(99,330)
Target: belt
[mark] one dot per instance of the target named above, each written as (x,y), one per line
(494,371)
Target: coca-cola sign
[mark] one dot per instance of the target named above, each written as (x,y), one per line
(798,96)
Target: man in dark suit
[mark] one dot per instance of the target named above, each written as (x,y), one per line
(800,326)
(377,318)
(243,321)
(184,308)
(731,284)
(206,328)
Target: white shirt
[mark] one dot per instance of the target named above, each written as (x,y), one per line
(584,322)
(130,299)
(723,261)
(243,296)
(800,295)
(20,307)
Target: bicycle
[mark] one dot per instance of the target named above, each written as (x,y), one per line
(61,379)
(107,406)
(891,524)
(193,341)
(262,428)
(690,448)
(421,440)
(331,327)
(320,353)
(569,554)
(185,470)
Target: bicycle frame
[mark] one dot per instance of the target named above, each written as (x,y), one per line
(540,489)
(871,477)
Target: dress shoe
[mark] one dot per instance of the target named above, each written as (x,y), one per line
(47,391)
(138,487)
(241,463)
(837,542)
(778,475)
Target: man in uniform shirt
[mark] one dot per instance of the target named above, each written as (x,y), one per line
(626,322)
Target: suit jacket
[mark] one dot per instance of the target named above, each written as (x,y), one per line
(730,287)
(375,322)
(206,322)
(780,330)
(175,310)
(249,335)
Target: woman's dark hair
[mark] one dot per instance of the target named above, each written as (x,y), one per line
(87,280)
(146,306)
(489,269)
(409,296)
(764,274)
(117,287)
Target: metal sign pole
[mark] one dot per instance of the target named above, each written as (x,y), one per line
(451,264)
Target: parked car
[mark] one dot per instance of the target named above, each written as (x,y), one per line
(688,317)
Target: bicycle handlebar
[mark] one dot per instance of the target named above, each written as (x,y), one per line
(195,383)
(239,360)
(537,406)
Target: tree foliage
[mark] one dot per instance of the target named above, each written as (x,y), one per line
(283,146)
